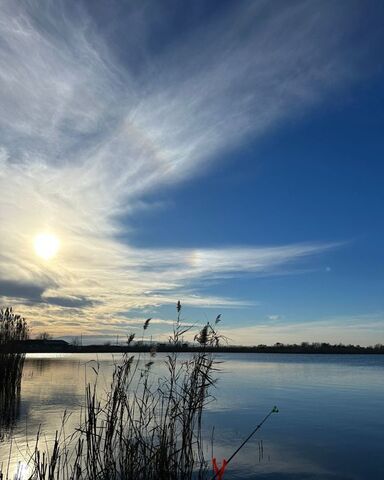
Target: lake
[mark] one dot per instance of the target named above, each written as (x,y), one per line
(330,423)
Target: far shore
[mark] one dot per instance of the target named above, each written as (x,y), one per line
(60,346)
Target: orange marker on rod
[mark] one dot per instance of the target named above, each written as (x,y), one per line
(218,474)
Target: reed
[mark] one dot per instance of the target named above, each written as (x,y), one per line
(147,427)
(13,328)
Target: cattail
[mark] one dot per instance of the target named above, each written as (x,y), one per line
(146,323)
(202,336)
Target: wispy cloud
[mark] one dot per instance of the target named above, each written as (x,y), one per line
(84,136)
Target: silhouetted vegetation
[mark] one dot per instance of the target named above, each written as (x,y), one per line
(44,336)
(60,346)
(147,427)
(13,328)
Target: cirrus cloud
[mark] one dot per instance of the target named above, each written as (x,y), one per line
(84,136)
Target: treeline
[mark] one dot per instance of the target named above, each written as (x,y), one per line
(47,346)
(306,347)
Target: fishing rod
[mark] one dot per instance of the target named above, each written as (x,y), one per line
(219,472)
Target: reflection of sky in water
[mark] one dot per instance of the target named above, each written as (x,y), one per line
(330,423)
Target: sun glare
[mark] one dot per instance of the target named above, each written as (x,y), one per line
(46,245)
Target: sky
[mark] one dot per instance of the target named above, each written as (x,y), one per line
(225,154)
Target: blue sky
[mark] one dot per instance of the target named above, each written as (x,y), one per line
(227,154)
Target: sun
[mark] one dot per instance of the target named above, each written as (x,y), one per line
(46,245)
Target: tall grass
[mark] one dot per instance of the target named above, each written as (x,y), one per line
(148,427)
(13,328)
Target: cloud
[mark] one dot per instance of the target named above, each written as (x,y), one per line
(18,290)
(84,135)
(72,302)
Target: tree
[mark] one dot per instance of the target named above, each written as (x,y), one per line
(44,336)
(76,342)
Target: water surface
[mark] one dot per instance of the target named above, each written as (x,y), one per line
(330,424)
